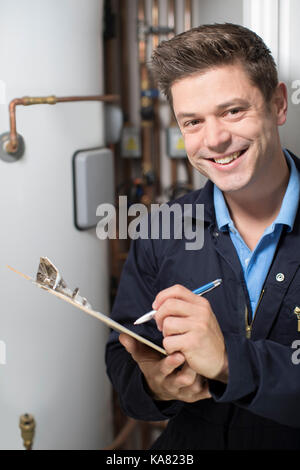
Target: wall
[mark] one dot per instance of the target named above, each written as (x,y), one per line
(217,11)
(55,354)
(289,69)
(277,22)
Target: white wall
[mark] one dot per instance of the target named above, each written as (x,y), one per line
(289,69)
(217,11)
(55,354)
(277,22)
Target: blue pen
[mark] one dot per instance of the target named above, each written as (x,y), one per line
(200,291)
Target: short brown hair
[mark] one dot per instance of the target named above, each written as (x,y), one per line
(213,45)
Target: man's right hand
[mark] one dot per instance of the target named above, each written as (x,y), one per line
(164,379)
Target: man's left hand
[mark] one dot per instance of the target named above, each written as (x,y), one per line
(189,325)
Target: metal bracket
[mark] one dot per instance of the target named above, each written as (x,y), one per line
(11,157)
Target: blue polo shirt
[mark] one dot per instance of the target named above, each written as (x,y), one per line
(256,263)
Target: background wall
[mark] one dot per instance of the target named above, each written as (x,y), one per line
(289,69)
(55,354)
(277,22)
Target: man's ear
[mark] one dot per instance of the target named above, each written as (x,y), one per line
(280,102)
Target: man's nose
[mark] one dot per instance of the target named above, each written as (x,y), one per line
(216,136)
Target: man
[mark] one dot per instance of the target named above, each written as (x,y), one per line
(228,381)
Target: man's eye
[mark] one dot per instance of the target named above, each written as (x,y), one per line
(234,111)
(192,123)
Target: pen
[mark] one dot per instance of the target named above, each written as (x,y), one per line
(200,291)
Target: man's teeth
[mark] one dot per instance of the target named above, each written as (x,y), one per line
(228,159)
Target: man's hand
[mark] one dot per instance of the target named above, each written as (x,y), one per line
(190,326)
(164,379)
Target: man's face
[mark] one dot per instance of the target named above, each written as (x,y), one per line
(230,134)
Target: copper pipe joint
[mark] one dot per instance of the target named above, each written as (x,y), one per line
(12,145)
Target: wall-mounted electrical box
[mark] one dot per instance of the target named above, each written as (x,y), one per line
(175,143)
(131,142)
(93,176)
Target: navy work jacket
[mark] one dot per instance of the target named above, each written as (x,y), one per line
(259,407)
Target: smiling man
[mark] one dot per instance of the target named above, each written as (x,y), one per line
(228,381)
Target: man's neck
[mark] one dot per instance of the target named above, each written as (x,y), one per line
(253,211)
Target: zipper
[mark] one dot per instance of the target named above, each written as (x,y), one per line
(249,325)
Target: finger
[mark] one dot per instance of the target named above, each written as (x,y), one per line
(193,397)
(186,376)
(127,341)
(175,325)
(198,390)
(194,305)
(176,292)
(177,308)
(205,393)
(171,363)
(139,352)
(168,364)
(173,307)
(176,343)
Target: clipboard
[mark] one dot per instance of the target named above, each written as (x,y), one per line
(74,299)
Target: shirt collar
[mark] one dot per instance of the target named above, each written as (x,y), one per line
(288,208)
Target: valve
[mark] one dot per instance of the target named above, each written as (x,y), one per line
(27,426)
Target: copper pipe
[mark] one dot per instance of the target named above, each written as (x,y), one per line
(188,15)
(155,23)
(12,144)
(146,124)
(173,122)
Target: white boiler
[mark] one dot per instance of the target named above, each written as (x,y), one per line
(52,355)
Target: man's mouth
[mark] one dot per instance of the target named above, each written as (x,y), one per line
(229,158)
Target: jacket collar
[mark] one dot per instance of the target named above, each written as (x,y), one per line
(205,196)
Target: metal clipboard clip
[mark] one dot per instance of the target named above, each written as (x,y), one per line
(48,276)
